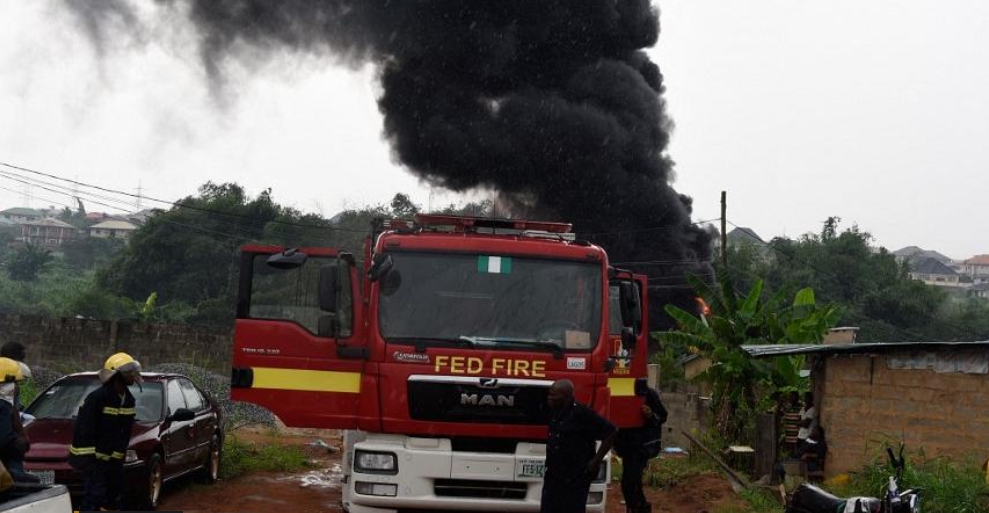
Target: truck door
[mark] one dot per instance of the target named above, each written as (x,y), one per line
(628,335)
(298,345)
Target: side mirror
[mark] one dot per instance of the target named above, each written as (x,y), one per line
(329,287)
(630,304)
(182,415)
(288,259)
(380,266)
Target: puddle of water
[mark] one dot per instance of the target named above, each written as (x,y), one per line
(328,478)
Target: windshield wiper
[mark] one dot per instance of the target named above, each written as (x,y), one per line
(514,342)
(422,342)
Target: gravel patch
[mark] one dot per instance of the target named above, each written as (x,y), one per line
(237,413)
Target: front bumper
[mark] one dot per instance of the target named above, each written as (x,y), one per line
(431,476)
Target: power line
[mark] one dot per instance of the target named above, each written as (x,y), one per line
(59,189)
(174,203)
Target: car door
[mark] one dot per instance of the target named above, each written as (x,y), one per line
(204,423)
(180,441)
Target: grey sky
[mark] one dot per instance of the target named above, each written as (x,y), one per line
(868,110)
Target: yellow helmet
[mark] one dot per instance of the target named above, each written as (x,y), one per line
(122,363)
(10,370)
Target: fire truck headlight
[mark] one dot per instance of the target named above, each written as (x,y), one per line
(375,462)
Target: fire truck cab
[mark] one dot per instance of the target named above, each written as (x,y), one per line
(437,353)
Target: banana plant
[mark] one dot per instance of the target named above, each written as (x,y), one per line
(735,320)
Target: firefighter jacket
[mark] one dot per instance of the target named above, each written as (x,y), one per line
(103,427)
(645,441)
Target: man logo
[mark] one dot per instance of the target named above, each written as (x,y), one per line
(487,400)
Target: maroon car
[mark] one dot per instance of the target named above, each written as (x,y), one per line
(177,431)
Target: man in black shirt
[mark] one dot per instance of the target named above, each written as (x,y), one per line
(571,461)
(636,446)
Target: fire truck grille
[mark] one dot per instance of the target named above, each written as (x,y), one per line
(463,402)
(480,489)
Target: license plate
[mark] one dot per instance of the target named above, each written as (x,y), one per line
(47,477)
(530,468)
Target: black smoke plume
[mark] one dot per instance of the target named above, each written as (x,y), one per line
(552,103)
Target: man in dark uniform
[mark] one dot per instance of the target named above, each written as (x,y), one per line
(636,446)
(571,462)
(101,434)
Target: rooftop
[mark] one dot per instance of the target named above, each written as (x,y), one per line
(114,224)
(21,211)
(49,222)
(770,350)
(745,234)
(978,260)
(931,266)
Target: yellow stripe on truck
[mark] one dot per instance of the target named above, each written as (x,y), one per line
(621,387)
(307,380)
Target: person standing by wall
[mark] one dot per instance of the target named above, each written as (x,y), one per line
(571,462)
(101,434)
(808,418)
(636,446)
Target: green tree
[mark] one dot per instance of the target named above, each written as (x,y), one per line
(872,287)
(733,321)
(28,262)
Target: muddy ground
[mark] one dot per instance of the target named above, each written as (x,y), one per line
(318,489)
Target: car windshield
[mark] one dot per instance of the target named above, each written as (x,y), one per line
(491,301)
(63,399)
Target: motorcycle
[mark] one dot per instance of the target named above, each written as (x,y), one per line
(808,498)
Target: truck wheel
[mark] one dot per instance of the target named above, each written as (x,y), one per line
(211,468)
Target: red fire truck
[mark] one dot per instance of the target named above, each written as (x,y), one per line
(437,355)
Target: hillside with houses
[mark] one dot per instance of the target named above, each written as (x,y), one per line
(968,277)
(51,228)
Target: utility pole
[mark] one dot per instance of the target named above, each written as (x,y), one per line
(140,191)
(724,230)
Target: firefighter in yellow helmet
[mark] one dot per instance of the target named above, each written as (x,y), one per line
(13,442)
(101,434)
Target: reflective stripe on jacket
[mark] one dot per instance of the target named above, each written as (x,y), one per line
(102,428)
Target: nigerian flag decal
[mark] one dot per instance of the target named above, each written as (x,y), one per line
(494,264)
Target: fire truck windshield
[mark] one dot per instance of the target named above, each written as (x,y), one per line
(490,301)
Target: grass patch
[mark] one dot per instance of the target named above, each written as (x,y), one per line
(240,458)
(663,472)
(759,500)
(948,487)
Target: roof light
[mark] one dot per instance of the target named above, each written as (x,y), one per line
(462,224)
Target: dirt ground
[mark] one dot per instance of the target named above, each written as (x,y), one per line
(318,490)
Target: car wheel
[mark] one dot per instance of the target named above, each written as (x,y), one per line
(211,468)
(155,480)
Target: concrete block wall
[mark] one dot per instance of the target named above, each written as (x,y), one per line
(688,411)
(863,402)
(84,344)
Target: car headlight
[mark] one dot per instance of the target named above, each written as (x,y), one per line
(130,456)
(375,462)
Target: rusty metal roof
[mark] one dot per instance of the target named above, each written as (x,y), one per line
(770,350)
